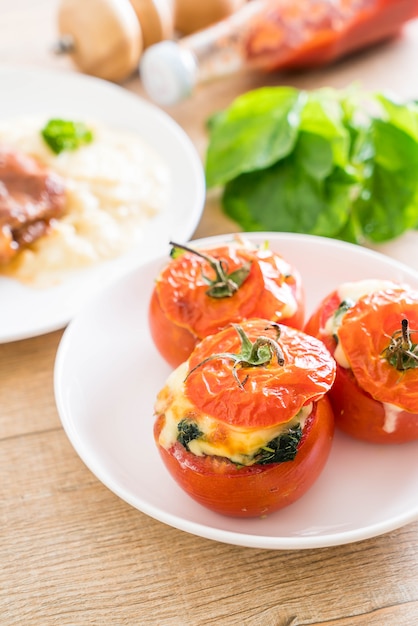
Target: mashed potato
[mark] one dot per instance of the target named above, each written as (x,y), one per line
(114,186)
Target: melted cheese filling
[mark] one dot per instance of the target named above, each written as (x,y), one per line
(217,438)
(283,293)
(391,417)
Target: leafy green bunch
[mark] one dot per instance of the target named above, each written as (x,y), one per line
(341,164)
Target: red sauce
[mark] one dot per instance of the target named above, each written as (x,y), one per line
(30,197)
(290,36)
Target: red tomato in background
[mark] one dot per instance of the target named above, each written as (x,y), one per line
(372,399)
(181,312)
(270,395)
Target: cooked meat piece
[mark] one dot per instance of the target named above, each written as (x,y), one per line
(30,197)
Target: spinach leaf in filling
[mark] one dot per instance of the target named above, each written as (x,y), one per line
(187,431)
(280,449)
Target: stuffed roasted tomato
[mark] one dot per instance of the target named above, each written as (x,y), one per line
(200,291)
(371,328)
(245,426)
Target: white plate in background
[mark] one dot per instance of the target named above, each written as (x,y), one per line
(26,311)
(107,375)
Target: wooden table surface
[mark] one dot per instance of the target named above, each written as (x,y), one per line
(72,552)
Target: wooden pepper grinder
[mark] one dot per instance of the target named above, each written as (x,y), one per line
(106,38)
(193,15)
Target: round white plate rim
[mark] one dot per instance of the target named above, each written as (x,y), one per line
(196,528)
(51,309)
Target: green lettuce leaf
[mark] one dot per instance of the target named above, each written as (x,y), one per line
(259,129)
(340,164)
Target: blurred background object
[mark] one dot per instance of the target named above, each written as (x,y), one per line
(106,38)
(192,15)
(178,44)
(270,35)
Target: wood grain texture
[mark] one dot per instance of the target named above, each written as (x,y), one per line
(26,385)
(72,553)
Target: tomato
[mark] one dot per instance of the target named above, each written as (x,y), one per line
(358,414)
(257,397)
(278,392)
(315,325)
(372,399)
(257,490)
(183,309)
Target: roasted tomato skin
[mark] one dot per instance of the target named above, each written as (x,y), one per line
(257,490)
(179,317)
(356,412)
(278,392)
(316,322)
(175,343)
(359,415)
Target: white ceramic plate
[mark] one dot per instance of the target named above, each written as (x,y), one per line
(27,312)
(107,375)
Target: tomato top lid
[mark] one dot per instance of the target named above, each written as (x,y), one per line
(293,370)
(190,290)
(379,336)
